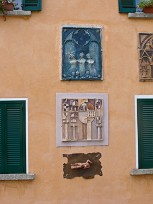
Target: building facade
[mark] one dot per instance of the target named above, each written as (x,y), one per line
(32,74)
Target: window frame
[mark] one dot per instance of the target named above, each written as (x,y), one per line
(26,125)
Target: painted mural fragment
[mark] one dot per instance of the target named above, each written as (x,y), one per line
(81,54)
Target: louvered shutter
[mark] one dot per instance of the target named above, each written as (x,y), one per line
(15,137)
(127,6)
(32,5)
(12,137)
(2,141)
(145,133)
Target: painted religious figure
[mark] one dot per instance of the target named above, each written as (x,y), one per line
(81,54)
(146,56)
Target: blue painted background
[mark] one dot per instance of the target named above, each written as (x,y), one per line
(81,54)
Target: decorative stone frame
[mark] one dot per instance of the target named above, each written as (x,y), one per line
(92,124)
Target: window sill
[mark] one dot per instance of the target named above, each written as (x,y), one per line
(140,15)
(16,177)
(17,13)
(137,172)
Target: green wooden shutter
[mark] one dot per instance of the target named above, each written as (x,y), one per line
(12,137)
(32,5)
(15,137)
(2,140)
(127,6)
(145,133)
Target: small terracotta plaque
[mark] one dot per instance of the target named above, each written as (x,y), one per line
(85,165)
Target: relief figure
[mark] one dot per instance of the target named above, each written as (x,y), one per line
(90,65)
(99,119)
(73,65)
(145,69)
(85,165)
(81,62)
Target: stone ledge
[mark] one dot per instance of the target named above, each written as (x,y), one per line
(16,177)
(17,13)
(140,15)
(137,172)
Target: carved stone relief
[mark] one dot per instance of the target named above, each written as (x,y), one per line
(146,56)
(81,54)
(85,165)
(82,119)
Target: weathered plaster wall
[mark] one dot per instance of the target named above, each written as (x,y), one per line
(30,61)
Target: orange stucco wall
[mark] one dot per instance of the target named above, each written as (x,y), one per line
(30,62)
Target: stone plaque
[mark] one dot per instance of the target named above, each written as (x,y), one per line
(81,119)
(81,54)
(146,56)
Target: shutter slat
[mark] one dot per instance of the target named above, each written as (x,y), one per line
(127,6)
(127,3)
(32,5)
(145,133)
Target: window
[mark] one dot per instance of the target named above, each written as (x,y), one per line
(127,6)
(82,119)
(12,136)
(144,113)
(28,5)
